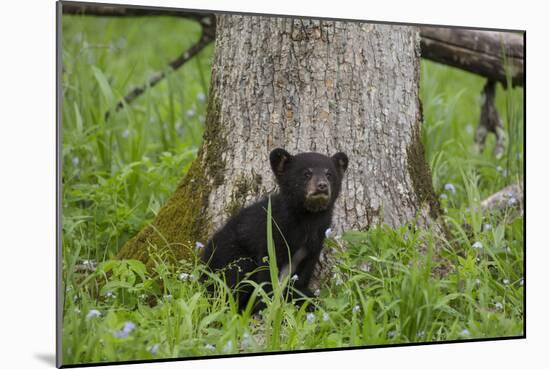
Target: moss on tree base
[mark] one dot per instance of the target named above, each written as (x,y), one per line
(178,225)
(184,219)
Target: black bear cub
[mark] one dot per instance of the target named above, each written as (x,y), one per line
(309,184)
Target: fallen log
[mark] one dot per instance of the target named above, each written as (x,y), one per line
(490,54)
(509,197)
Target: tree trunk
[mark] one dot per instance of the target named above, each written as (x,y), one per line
(304,85)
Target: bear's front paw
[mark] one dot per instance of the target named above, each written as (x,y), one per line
(307,292)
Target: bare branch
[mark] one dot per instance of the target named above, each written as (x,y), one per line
(128,11)
(174,65)
(208,35)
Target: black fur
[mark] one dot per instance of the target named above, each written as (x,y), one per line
(309,184)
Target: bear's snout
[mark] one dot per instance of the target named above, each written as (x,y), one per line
(322,186)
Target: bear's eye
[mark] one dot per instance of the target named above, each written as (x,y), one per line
(328,174)
(307,174)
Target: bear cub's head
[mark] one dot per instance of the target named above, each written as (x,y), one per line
(309,180)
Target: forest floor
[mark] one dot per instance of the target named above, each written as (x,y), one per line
(383,291)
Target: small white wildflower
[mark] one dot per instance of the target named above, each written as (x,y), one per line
(420,334)
(338,279)
(90,58)
(499,169)
(190,113)
(512,201)
(506,281)
(310,317)
(183,276)
(143,296)
(450,187)
(92,314)
(245,342)
(391,334)
(521,282)
(477,245)
(86,262)
(209,347)
(328,232)
(478,281)
(110,295)
(180,129)
(199,246)
(77,310)
(201,97)
(121,43)
(168,297)
(487,227)
(154,349)
(126,133)
(356,309)
(294,278)
(464,333)
(75,161)
(443,196)
(478,259)
(125,331)
(326,317)
(228,347)
(317,292)
(128,327)
(498,305)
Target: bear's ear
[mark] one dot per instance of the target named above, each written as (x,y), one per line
(341,161)
(279,159)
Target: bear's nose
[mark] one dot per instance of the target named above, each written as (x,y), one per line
(322,186)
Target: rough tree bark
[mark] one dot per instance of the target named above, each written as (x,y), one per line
(304,85)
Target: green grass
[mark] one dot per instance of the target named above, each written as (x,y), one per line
(118,172)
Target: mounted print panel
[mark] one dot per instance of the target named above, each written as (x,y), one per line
(242,184)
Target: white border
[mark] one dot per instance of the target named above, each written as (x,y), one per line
(27,184)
